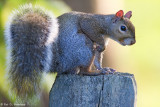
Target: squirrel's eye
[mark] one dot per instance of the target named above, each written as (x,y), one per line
(123,28)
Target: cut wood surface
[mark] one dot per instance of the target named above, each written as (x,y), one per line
(113,90)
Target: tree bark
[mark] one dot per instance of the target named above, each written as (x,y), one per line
(113,90)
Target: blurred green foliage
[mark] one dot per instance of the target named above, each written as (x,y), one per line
(141,59)
(6,7)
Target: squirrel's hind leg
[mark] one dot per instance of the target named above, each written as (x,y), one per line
(97,60)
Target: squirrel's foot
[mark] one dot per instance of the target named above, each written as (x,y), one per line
(107,70)
(102,71)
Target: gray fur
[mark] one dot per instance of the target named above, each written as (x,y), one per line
(36,46)
(30,37)
(75,48)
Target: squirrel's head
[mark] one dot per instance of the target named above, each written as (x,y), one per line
(122,29)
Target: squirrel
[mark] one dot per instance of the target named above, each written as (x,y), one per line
(38,42)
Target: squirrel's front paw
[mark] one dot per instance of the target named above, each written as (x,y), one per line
(100,48)
(107,71)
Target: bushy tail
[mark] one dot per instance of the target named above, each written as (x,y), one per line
(30,34)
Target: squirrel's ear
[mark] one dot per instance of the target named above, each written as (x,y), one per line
(128,14)
(119,14)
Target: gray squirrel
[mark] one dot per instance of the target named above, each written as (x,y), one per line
(38,42)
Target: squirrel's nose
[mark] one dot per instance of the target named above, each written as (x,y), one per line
(129,41)
(133,42)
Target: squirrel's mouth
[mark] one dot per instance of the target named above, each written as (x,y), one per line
(127,41)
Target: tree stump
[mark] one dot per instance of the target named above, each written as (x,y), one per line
(113,90)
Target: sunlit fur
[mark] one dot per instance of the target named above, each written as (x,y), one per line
(30,33)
